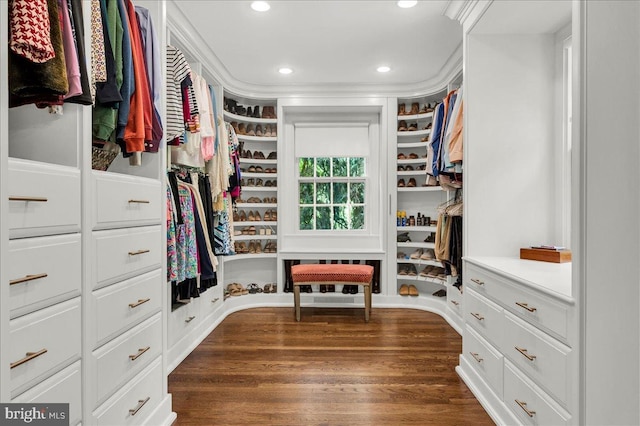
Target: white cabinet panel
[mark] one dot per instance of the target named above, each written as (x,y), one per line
(484,358)
(182,321)
(63,387)
(544,359)
(43,271)
(119,306)
(484,316)
(44,199)
(123,200)
(43,341)
(132,404)
(122,253)
(122,358)
(530,406)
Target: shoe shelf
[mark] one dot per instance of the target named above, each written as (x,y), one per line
(259,161)
(243,223)
(229,116)
(256,205)
(416,228)
(422,116)
(412,145)
(235,257)
(419,189)
(417,245)
(259,188)
(255,237)
(413,160)
(420,262)
(411,172)
(260,175)
(419,278)
(410,133)
(257,138)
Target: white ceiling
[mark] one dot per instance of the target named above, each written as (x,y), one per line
(326,43)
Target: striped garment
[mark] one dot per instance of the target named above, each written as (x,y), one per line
(177,70)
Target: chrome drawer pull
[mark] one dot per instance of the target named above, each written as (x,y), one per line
(29,357)
(27,278)
(137,408)
(190,319)
(477,281)
(139,201)
(526,306)
(138,303)
(140,352)
(523,405)
(455,302)
(35,199)
(135,253)
(477,316)
(476,356)
(525,353)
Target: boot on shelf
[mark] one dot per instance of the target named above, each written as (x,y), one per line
(402,109)
(415,108)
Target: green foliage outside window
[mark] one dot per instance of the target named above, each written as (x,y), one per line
(331,193)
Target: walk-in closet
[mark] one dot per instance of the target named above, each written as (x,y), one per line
(168,167)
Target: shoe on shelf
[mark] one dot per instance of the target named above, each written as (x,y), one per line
(401,156)
(403,270)
(413,127)
(415,106)
(267,131)
(249,112)
(412,183)
(431,238)
(404,290)
(256,112)
(413,291)
(412,271)
(242,129)
(401,183)
(402,126)
(426,270)
(402,109)
(402,255)
(259,131)
(416,254)
(440,293)
(273,155)
(258,247)
(267,215)
(428,254)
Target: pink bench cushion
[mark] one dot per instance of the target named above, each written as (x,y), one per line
(331,273)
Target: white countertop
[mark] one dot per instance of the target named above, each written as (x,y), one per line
(551,278)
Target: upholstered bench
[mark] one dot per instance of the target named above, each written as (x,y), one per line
(332,273)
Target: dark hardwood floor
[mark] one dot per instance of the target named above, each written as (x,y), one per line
(261,367)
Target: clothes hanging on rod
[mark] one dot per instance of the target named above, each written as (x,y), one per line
(448,242)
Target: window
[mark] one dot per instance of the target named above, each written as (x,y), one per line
(331,193)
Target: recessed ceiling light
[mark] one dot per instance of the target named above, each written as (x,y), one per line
(383,68)
(407,4)
(260,6)
(285,70)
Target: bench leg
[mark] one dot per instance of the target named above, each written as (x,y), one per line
(367,302)
(296,300)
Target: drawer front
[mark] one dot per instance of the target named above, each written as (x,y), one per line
(122,358)
(44,199)
(182,321)
(539,356)
(123,253)
(125,200)
(454,300)
(133,404)
(532,306)
(484,316)
(55,330)
(486,360)
(529,404)
(119,306)
(64,387)
(43,271)
(209,302)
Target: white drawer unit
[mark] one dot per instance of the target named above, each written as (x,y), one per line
(63,387)
(539,356)
(43,271)
(486,360)
(454,300)
(527,325)
(122,358)
(42,342)
(485,316)
(182,321)
(132,404)
(123,253)
(122,200)
(209,302)
(43,199)
(528,403)
(121,305)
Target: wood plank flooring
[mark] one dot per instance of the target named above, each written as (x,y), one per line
(261,367)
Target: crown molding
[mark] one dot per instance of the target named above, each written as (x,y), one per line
(180,34)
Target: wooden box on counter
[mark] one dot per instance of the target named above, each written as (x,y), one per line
(545,255)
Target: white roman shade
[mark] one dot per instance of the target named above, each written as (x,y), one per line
(332,139)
